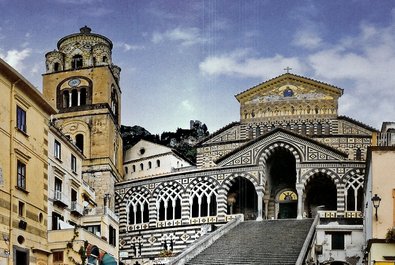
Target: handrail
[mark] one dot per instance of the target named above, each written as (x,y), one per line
(307,242)
(204,242)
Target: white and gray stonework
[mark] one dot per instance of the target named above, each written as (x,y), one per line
(289,156)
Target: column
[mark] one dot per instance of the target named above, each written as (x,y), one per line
(260,198)
(79,98)
(299,190)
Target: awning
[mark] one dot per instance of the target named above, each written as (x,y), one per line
(108,260)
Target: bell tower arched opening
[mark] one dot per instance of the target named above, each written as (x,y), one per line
(321,194)
(281,176)
(242,198)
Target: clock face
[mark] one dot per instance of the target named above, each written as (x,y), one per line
(74,82)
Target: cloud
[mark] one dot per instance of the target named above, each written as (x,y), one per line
(97,11)
(128,47)
(186,105)
(241,64)
(186,36)
(307,39)
(15,58)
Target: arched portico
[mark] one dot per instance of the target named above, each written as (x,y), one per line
(320,193)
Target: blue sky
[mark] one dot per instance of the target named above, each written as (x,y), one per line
(184,60)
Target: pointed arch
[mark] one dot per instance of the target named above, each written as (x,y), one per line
(168,197)
(203,194)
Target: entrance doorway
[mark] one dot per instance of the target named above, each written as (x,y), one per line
(287,205)
(242,198)
(279,194)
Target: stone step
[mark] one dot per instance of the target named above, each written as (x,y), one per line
(251,242)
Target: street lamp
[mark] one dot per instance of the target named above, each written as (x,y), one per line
(376,203)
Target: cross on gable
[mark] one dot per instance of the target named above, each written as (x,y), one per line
(287,69)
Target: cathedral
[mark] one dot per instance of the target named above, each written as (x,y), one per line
(289,156)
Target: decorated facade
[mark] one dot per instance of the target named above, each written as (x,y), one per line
(290,156)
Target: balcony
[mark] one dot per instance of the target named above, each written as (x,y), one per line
(111,214)
(76,208)
(60,199)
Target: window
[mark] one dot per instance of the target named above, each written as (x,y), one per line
(79,142)
(112,236)
(158,163)
(169,203)
(73,163)
(141,166)
(149,165)
(134,168)
(57,150)
(126,170)
(94,229)
(76,62)
(20,119)
(21,209)
(203,200)
(21,178)
(58,189)
(73,195)
(56,67)
(56,218)
(337,241)
(57,256)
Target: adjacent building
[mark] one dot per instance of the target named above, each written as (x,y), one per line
(379,212)
(24,129)
(145,159)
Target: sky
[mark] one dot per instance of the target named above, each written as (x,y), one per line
(185,60)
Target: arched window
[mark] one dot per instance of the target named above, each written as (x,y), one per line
(319,128)
(74,98)
(141,166)
(203,200)
(79,142)
(149,164)
(83,95)
(56,67)
(257,131)
(327,129)
(358,154)
(134,168)
(250,133)
(76,62)
(354,193)
(137,210)
(66,99)
(303,128)
(104,59)
(158,163)
(169,203)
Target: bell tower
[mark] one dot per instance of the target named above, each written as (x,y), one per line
(82,83)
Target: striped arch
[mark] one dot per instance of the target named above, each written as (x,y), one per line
(230,179)
(194,182)
(137,205)
(171,184)
(140,189)
(203,197)
(270,149)
(307,177)
(168,200)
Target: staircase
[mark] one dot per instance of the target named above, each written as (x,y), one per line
(270,242)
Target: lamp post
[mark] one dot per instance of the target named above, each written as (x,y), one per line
(376,203)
